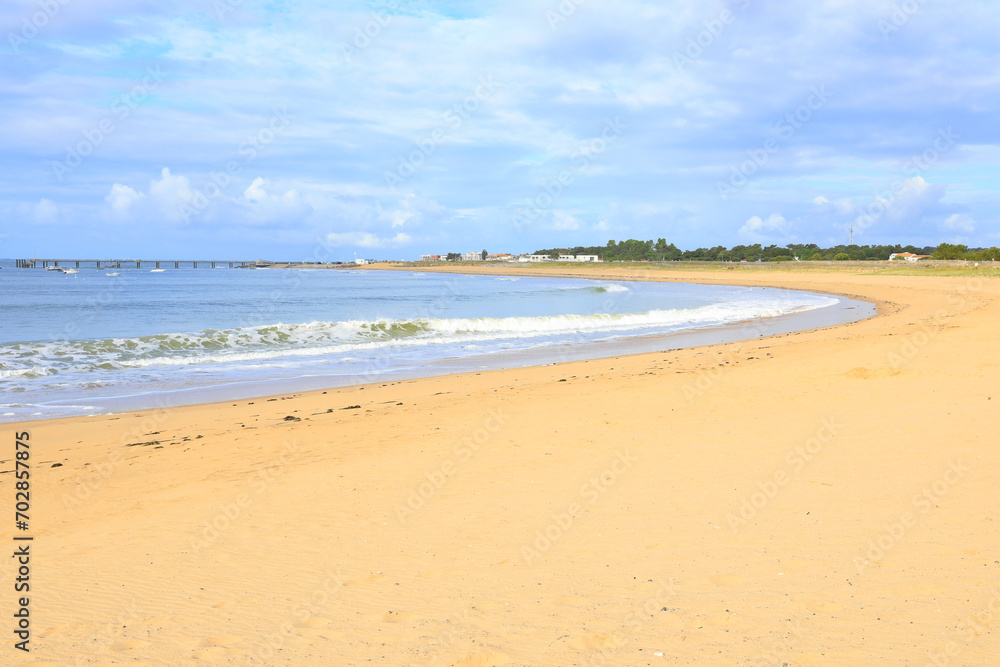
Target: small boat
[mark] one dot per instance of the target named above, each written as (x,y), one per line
(158,271)
(112,274)
(52,268)
(70,271)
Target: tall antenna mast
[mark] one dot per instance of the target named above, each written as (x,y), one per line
(852,234)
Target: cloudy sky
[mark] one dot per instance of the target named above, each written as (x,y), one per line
(295,129)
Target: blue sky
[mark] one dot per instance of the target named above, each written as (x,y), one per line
(297,130)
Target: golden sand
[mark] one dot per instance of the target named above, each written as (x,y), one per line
(820,498)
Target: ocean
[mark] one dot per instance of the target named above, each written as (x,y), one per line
(92,343)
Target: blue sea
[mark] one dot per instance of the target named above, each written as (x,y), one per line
(94,342)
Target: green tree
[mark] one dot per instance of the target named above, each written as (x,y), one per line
(484,253)
(950,251)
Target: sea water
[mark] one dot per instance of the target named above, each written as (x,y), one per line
(91,342)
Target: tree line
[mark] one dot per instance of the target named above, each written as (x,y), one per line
(660,251)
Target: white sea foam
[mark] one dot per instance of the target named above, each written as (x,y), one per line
(271,343)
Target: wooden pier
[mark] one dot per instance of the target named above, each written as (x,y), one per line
(140,263)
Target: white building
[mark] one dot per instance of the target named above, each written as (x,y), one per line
(577,258)
(472,256)
(908,256)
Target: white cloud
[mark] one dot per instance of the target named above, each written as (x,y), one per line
(122,198)
(255,192)
(757,228)
(366,240)
(413,210)
(960,222)
(564,222)
(45,211)
(170,194)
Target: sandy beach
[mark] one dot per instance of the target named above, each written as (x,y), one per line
(821,498)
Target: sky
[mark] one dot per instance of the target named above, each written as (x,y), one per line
(297,130)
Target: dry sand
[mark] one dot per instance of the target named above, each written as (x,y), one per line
(821,498)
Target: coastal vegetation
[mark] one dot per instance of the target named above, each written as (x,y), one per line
(661,251)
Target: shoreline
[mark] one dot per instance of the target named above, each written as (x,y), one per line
(697,336)
(754,501)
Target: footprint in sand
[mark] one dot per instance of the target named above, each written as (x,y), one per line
(224,640)
(865,373)
(482,659)
(319,627)
(129,645)
(220,647)
(593,641)
(365,580)
(397,617)
(315,622)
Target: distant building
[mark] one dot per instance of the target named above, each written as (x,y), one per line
(361,261)
(578,258)
(908,256)
(472,256)
(500,257)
